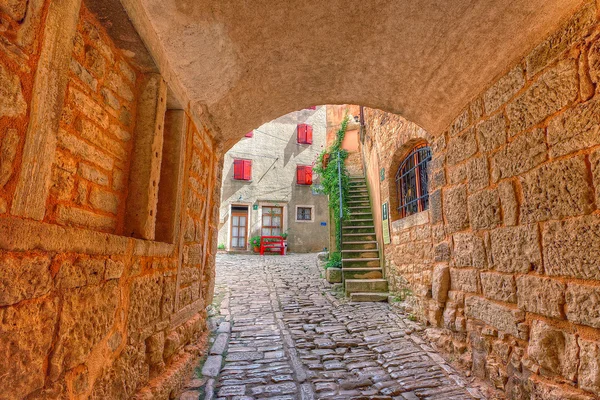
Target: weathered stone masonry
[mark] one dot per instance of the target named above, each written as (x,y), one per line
(87,310)
(506,260)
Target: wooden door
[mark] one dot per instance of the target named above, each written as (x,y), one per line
(239,229)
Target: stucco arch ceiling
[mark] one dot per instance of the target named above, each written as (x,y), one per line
(244,62)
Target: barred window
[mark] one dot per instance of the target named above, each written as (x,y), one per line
(411,182)
(304,214)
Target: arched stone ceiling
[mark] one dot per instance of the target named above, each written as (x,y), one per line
(245,62)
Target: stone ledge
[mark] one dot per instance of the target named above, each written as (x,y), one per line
(417,219)
(25,235)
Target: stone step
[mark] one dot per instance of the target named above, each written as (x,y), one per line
(359,203)
(363,273)
(359,229)
(352,254)
(369,297)
(361,262)
(361,213)
(366,286)
(358,237)
(359,222)
(360,245)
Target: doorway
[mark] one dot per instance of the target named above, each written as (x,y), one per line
(239,227)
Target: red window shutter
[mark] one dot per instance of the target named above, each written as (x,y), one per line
(309,131)
(249,134)
(308,175)
(312,108)
(300,175)
(301,133)
(247,170)
(238,169)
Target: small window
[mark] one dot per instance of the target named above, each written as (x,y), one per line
(249,134)
(304,213)
(242,170)
(305,133)
(411,182)
(304,175)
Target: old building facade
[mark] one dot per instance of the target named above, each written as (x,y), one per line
(267,186)
(502,257)
(115,117)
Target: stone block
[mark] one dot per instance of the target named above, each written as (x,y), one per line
(461,147)
(501,317)
(12,102)
(478,173)
(524,153)
(79,217)
(469,251)
(88,131)
(87,315)
(504,89)
(440,283)
(460,123)
(455,200)
(80,273)
(588,376)
(84,150)
(499,287)
(114,269)
(576,129)
(568,247)
(484,209)
(130,370)
(212,366)
(540,295)
(8,152)
(155,345)
(508,201)
(553,349)
(435,207)
(553,90)
(466,280)
(583,304)
(516,249)
(92,174)
(95,62)
(14,8)
(83,74)
(104,201)
(441,252)
(556,190)
(334,275)
(595,164)
(127,72)
(23,278)
(120,87)
(477,108)
(88,107)
(144,302)
(550,49)
(26,332)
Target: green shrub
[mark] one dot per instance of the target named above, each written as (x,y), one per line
(221,246)
(255,241)
(334,261)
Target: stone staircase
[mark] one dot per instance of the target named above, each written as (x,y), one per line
(361,267)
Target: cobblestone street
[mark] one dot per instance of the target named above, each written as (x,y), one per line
(280,334)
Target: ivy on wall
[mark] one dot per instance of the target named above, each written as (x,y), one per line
(327,169)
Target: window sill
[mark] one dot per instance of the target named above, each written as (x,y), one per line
(417,219)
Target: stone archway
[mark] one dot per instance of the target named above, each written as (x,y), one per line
(92,293)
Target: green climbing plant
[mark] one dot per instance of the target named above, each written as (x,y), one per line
(327,169)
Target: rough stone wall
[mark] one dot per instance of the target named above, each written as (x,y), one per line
(84,311)
(91,165)
(505,263)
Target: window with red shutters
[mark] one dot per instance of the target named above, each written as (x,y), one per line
(305,133)
(249,134)
(304,175)
(242,170)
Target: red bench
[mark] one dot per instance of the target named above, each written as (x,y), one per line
(272,244)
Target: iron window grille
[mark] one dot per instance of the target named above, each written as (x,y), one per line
(304,214)
(411,182)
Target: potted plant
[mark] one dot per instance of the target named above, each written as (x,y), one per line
(284,235)
(255,243)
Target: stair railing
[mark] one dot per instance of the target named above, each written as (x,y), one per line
(339,168)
